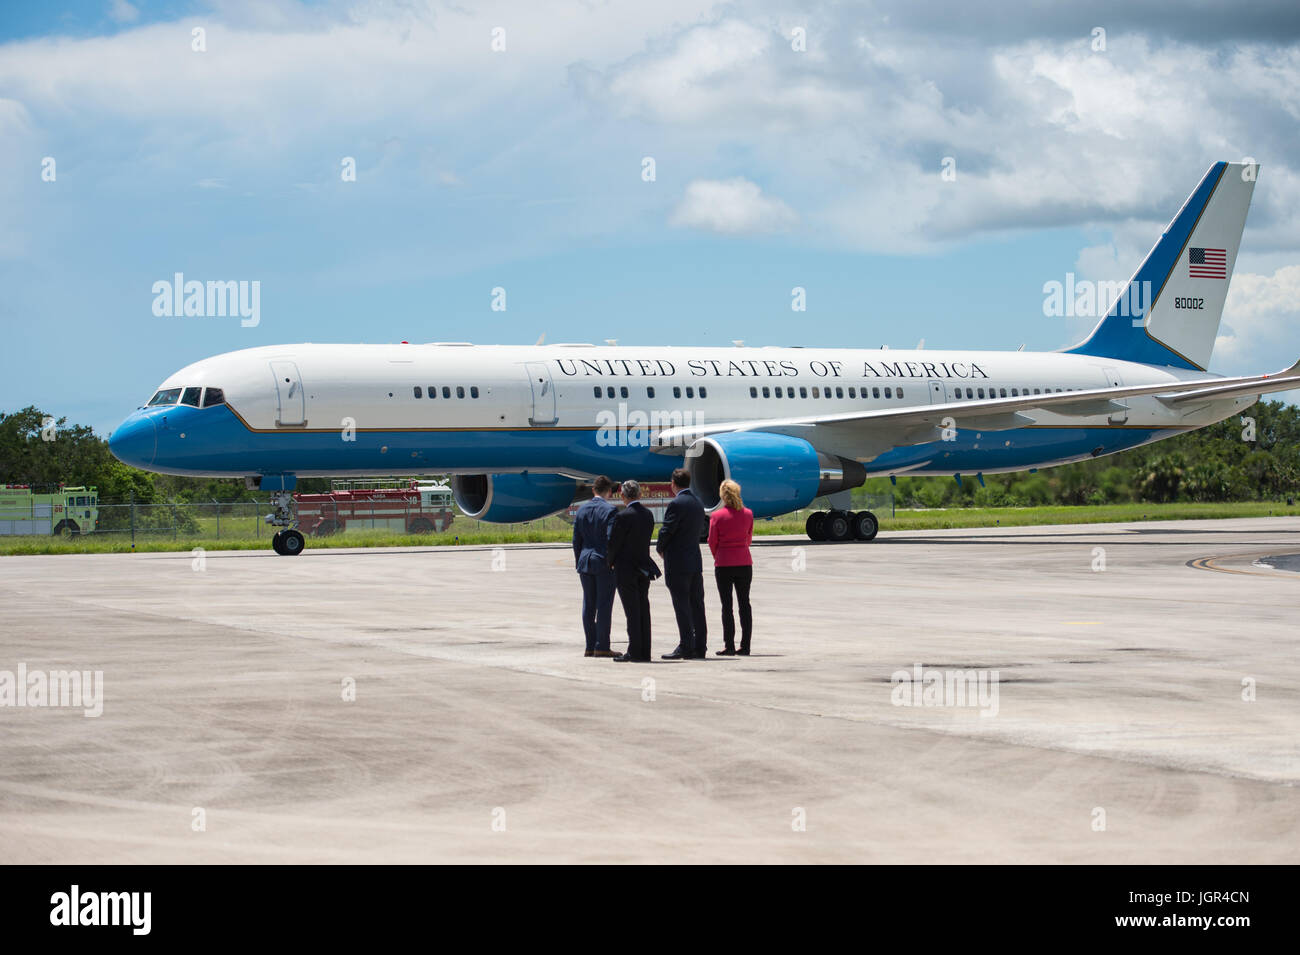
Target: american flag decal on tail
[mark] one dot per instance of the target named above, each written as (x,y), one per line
(1207,263)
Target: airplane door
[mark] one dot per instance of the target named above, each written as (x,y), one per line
(1113,380)
(543,389)
(938,393)
(288,389)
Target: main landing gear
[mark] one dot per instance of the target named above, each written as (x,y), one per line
(841,526)
(288,541)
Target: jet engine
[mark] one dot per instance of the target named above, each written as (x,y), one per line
(512,498)
(776,473)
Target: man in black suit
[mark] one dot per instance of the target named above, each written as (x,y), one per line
(629,555)
(679,543)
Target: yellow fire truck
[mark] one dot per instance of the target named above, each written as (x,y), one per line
(54,509)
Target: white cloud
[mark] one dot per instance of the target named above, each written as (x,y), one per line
(1261,317)
(731,207)
(120,11)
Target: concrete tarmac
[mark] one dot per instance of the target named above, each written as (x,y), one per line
(1147,706)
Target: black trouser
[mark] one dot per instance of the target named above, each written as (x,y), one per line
(688,604)
(634,593)
(740,578)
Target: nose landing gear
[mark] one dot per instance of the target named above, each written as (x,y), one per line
(287,542)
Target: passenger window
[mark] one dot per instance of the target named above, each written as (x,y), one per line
(597,391)
(690,392)
(816,392)
(1002,393)
(766,393)
(803,392)
(888,393)
(460,391)
(900,393)
(623,391)
(853,392)
(839,392)
(704,392)
(191,396)
(980,392)
(473,391)
(649,392)
(418,393)
(1036,391)
(609,392)
(753,392)
(1014,393)
(213,396)
(446,391)
(433,391)
(875,392)
(677,391)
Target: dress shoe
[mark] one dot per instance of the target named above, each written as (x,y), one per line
(603,653)
(727,652)
(742,652)
(623,658)
(589,653)
(678,654)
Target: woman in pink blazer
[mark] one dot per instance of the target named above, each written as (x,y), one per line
(731,530)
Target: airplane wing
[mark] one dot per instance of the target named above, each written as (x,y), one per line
(877,430)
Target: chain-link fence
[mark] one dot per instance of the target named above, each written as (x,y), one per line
(246,521)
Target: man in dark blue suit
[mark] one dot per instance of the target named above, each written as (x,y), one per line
(591,530)
(679,543)
(629,555)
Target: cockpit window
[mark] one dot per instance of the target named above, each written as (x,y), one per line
(192,396)
(168,396)
(213,396)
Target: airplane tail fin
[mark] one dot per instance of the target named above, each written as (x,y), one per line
(1169,313)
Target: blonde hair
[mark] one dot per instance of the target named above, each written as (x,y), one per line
(730,492)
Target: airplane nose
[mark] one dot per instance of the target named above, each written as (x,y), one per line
(135,442)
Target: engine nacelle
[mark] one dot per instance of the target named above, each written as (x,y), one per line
(776,473)
(512,498)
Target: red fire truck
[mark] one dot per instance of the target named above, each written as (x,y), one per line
(410,508)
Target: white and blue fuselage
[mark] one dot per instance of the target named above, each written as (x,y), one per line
(338,410)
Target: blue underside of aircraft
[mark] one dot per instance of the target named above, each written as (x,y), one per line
(216,441)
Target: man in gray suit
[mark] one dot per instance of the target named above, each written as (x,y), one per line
(591,530)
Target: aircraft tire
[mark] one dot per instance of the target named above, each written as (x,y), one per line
(865,526)
(839,526)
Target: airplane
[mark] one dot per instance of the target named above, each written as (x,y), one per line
(519,429)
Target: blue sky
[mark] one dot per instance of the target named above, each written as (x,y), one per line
(522,168)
